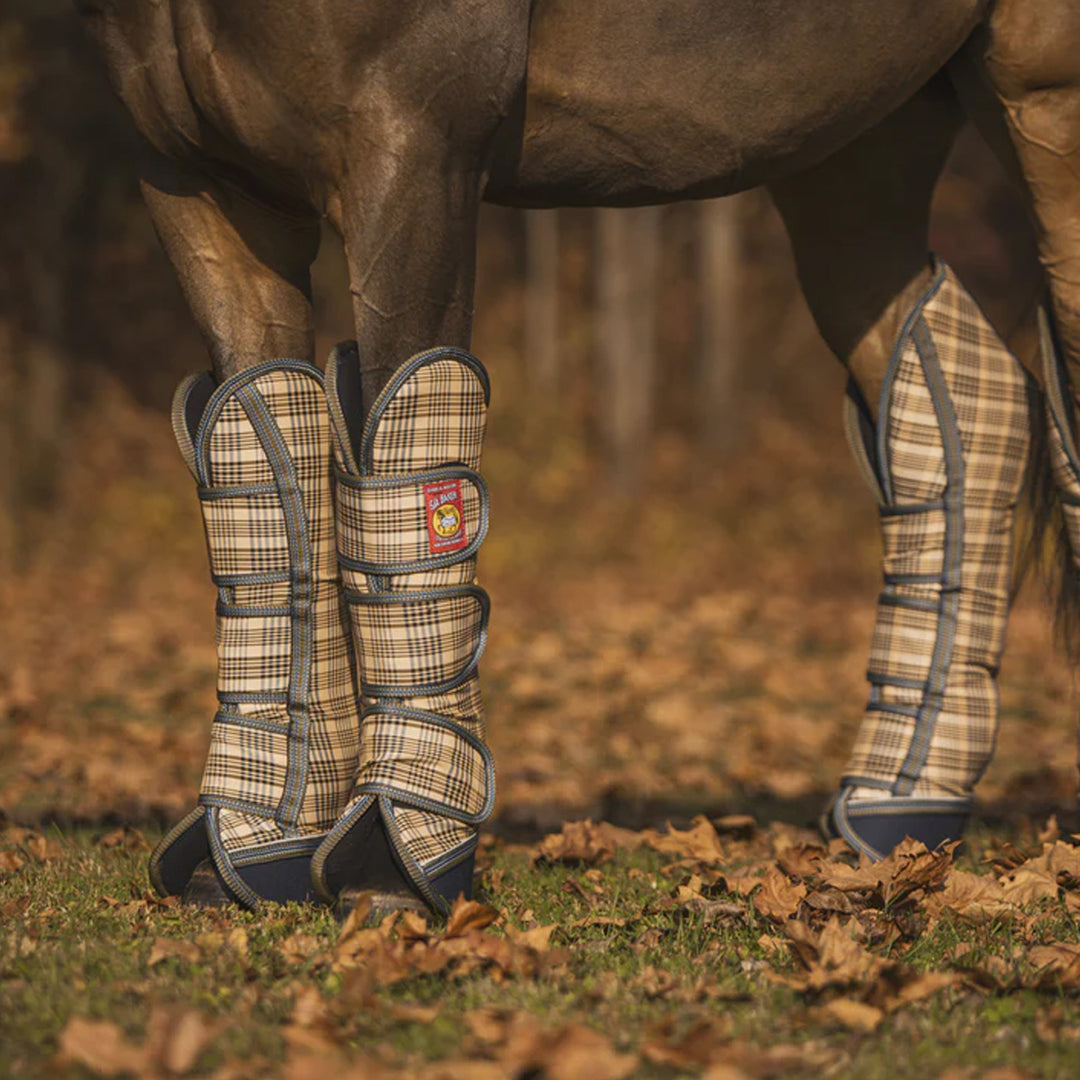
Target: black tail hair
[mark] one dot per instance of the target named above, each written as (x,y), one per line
(1043,543)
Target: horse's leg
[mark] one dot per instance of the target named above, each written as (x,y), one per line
(257,440)
(1020,77)
(244,267)
(410,407)
(939,419)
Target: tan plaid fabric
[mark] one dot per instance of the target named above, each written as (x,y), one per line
(285,739)
(419,620)
(949,459)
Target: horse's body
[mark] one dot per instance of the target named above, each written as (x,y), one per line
(681,98)
(395,119)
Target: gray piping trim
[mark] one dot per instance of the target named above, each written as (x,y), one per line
(949,605)
(413,870)
(242,697)
(906,511)
(241,491)
(239,611)
(454,856)
(302,599)
(270,577)
(179,419)
(236,884)
(278,849)
(253,722)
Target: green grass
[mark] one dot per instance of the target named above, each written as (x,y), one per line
(66,950)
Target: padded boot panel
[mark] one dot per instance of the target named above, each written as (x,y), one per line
(282,881)
(364,859)
(457,881)
(882,831)
(171,870)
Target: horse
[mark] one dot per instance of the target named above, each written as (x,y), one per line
(394,121)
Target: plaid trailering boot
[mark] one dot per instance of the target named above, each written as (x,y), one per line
(947,461)
(412,513)
(284,741)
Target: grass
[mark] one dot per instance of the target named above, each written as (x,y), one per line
(75,942)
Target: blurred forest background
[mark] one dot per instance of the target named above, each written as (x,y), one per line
(683,563)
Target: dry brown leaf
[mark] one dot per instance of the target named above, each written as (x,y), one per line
(175,1038)
(126,838)
(743,824)
(298,948)
(11,862)
(575,1052)
(909,869)
(584,842)
(779,897)
(700,843)
(172,948)
(539,937)
(100,1046)
(1043,875)
(801,860)
(411,1014)
(467,915)
(852,1014)
(972,897)
(1060,960)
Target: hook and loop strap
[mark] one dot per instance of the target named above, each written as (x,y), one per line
(422,760)
(414,523)
(419,643)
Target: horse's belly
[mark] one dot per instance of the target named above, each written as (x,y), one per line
(675,98)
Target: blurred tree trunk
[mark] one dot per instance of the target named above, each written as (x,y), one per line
(719,352)
(628,247)
(542,302)
(7,450)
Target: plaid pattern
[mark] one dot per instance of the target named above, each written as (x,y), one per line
(418,619)
(421,642)
(952,448)
(388,525)
(284,743)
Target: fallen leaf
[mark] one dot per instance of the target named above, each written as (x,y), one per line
(584,842)
(100,1046)
(469,915)
(852,1014)
(172,948)
(779,897)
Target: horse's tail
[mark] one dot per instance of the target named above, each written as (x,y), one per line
(1044,540)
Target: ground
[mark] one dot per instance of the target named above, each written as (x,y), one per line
(697,649)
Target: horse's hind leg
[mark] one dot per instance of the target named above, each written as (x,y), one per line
(257,441)
(1022,74)
(938,415)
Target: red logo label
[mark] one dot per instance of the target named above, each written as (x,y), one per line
(445,517)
